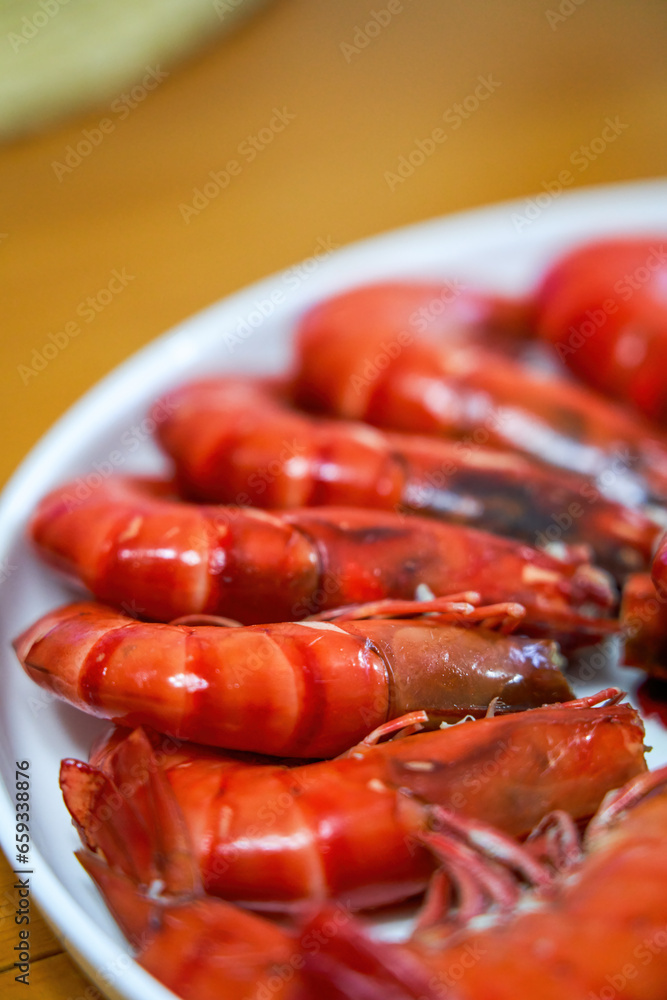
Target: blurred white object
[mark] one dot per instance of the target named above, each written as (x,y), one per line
(62,56)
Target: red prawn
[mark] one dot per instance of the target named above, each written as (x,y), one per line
(236,440)
(352,364)
(136,548)
(596,929)
(350,829)
(317,687)
(603,307)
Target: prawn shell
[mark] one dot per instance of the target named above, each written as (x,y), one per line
(237,440)
(428,384)
(157,558)
(301,689)
(603,308)
(273,837)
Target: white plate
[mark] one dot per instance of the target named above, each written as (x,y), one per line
(488,247)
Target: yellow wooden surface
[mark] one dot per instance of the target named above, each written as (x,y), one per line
(555,78)
(52,976)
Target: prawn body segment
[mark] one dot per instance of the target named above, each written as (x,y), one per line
(237,440)
(161,559)
(298,689)
(430,385)
(602,307)
(593,926)
(608,916)
(350,828)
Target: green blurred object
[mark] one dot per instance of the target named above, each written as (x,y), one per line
(62,56)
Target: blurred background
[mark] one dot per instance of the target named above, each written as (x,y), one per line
(156,156)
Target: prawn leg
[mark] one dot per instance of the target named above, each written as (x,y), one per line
(600,921)
(199,947)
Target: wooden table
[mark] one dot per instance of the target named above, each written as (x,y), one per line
(343,104)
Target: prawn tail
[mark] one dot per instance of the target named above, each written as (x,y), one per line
(132,909)
(127,815)
(140,858)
